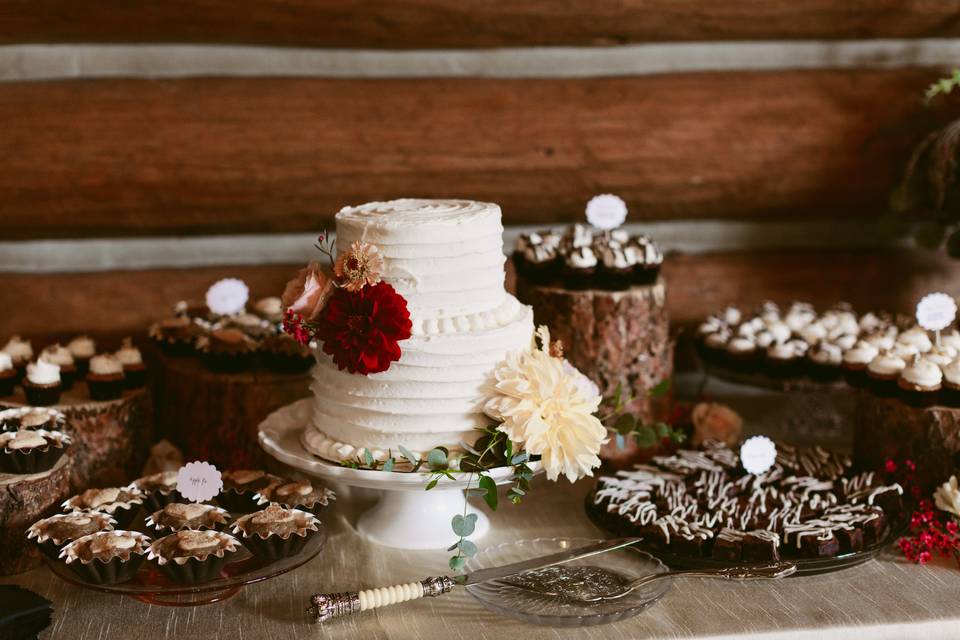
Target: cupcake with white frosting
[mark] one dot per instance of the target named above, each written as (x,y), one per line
(920,382)
(42,383)
(742,353)
(82,348)
(825,360)
(536,256)
(783,360)
(916,337)
(8,375)
(617,263)
(856,360)
(106,379)
(883,372)
(714,349)
(134,369)
(579,267)
(21,352)
(649,260)
(270,309)
(59,355)
(950,387)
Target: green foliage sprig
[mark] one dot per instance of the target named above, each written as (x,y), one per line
(615,416)
(943,86)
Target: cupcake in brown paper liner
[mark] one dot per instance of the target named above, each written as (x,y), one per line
(121,503)
(28,451)
(178,516)
(52,534)
(275,532)
(298,494)
(106,557)
(159,489)
(192,557)
(284,354)
(240,487)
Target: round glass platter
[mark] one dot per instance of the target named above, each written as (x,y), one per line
(531,596)
(149,585)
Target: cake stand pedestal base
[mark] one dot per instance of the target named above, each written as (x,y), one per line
(406,515)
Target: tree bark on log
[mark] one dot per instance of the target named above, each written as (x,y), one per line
(889,428)
(23,501)
(214,416)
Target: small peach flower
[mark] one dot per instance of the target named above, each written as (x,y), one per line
(359,266)
(714,421)
(308,292)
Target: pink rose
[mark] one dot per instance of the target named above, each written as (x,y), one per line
(308,292)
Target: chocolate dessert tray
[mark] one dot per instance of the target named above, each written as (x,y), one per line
(149,585)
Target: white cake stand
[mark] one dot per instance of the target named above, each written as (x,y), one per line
(406,516)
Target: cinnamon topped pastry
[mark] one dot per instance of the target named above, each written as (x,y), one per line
(227,350)
(106,557)
(175,335)
(276,532)
(300,494)
(241,486)
(51,534)
(120,502)
(28,451)
(187,515)
(191,557)
(159,489)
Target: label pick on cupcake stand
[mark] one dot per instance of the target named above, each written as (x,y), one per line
(199,481)
(936,312)
(758,454)
(606,211)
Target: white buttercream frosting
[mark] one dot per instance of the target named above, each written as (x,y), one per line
(916,337)
(43,372)
(128,354)
(82,347)
(6,362)
(886,364)
(19,349)
(862,353)
(58,355)
(105,365)
(922,373)
(951,373)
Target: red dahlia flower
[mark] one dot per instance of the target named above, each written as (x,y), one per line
(361,329)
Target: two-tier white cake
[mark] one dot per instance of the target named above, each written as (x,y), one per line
(445,257)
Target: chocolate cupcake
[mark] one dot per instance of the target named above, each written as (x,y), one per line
(825,360)
(283,353)
(227,350)
(813,333)
(617,264)
(82,348)
(134,369)
(920,382)
(300,494)
(798,316)
(175,335)
(106,557)
(275,532)
(8,375)
(855,362)
(121,503)
(61,356)
(742,354)
(715,347)
(20,352)
(178,516)
(950,387)
(537,257)
(53,533)
(579,268)
(649,260)
(783,361)
(192,557)
(159,489)
(30,451)
(251,324)
(106,379)
(240,488)
(270,309)
(883,372)
(42,384)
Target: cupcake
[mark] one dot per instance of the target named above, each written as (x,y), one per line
(845,341)
(742,353)
(270,309)
(905,350)
(119,502)
(175,335)
(825,360)
(53,533)
(538,262)
(240,488)
(951,340)
(916,337)
(579,268)
(159,489)
(42,383)
(920,382)
(813,333)
(29,451)
(192,557)
(61,356)
(856,360)
(950,387)
(275,532)
(884,340)
(283,353)
(134,370)
(649,260)
(617,264)
(799,315)
(106,557)
(33,418)
(177,516)
(82,348)
(779,330)
(715,347)
(106,379)
(941,355)
(783,360)
(8,375)
(883,372)
(731,315)
(21,352)
(301,494)
(227,350)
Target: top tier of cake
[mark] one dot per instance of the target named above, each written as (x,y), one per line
(444,256)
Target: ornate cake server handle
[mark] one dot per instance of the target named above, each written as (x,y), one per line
(327,606)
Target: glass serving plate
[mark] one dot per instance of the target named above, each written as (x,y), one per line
(805,566)
(588,576)
(152,587)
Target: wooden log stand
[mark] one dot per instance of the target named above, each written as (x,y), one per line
(214,416)
(111,440)
(23,501)
(889,428)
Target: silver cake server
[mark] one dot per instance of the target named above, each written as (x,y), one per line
(327,606)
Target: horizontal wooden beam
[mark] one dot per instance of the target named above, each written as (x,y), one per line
(128,301)
(95,158)
(415,24)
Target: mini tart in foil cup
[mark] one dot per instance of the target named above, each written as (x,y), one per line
(275,532)
(120,502)
(192,557)
(178,516)
(175,335)
(106,557)
(240,488)
(300,494)
(159,489)
(53,533)
(32,418)
(20,456)
(227,350)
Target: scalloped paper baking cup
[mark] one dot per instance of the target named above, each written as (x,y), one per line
(37,460)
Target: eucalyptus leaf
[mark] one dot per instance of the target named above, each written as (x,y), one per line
(368,457)
(408,455)
(437,458)
(432,483)
(491,498)
(457,562)
(468,548)
(388,465)
(464,526)
(662,430)
(520,458)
